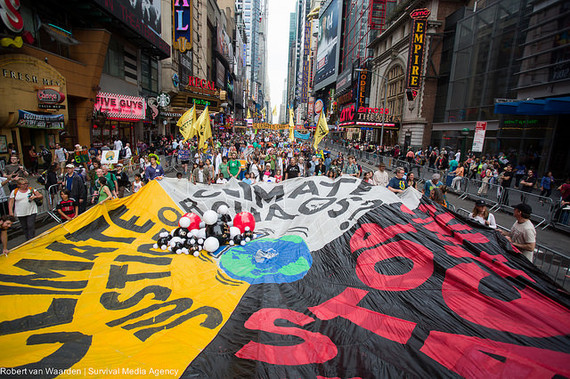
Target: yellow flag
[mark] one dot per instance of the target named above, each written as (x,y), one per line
(186,123)
(275,110)
(204,129)
(321,131)
(291,126)
(248,114)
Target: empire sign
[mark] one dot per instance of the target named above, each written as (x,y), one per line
(417,47)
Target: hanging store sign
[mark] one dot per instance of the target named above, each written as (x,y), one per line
(363,88)
(120,107)
(417,47)
(40,121)
(50,96)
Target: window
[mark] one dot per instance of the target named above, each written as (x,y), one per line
(395,98)
(115,61)
(149,73)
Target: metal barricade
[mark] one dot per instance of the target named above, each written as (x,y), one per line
(553,264)
(542,207)
(481,190)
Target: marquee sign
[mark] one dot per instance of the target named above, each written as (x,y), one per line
(417,47)
(120,107)
(365,116)
(182,25)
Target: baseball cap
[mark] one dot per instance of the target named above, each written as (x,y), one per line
(69,165)
(524,208)
(480,203)
(435,176)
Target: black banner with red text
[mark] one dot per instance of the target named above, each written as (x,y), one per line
(402,293)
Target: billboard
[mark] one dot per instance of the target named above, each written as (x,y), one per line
(328,46)
(182,25)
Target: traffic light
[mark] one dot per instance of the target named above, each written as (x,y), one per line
(411,94)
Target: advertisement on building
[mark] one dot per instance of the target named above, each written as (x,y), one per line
(306,51)
(224,44)
(182,25)
(142,17)
(363,89)
(328,45)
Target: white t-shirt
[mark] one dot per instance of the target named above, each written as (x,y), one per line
(22,206)
(221,181)
(380,178)
(60,154)
(118,144)
(524,233)
(137,186)
(128,152)
(481,220)
(3,195)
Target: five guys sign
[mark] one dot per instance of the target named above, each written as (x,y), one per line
(417,47)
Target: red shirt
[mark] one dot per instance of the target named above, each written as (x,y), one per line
(67,207)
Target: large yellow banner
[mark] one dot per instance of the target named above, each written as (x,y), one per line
(92,297)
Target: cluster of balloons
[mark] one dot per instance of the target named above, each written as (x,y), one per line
(215,229)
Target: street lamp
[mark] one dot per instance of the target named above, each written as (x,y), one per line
(383,101)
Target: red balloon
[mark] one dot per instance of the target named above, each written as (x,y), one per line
(195,220)
(243,219)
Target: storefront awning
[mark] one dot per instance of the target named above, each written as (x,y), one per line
(550,106)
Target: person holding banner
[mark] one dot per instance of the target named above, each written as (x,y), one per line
(154,170)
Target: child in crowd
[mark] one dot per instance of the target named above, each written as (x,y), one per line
(221,179)
(67,208)
(278,176)
(247,179)
(137,184)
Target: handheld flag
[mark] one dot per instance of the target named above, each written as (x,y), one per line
(275,110)
(204,129)
(291,126)
(321,131)
(248,114)
(186,123)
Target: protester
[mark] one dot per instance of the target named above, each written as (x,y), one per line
(104,191)
(546,184)
(380,177)
(122,180)
(200,174)
(431,184)
(522,234)
(527,183)
(398,184)
(75,185)
(411,181)
(481,214)
(154,170)
(234,166)
(438,196)
(293,170)
(67,208)
(137,183)
(6,222)
(459,173)
(22,204)
(60,156)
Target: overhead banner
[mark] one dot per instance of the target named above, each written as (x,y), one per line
(342,279)
(479,136)
(303,136)
(40,121)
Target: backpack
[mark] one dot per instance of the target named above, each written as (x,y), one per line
(42,179)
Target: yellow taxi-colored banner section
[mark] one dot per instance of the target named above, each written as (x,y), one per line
(94,298)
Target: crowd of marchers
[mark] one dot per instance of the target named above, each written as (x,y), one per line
(72,185)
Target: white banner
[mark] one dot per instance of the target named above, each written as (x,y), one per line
(110,156)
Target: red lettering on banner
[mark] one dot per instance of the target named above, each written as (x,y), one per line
(422,269)
(524,315)
(371,234)
(345,305)
(474,357)
(407,210)
(316,348)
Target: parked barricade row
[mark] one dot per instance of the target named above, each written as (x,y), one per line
(542,207)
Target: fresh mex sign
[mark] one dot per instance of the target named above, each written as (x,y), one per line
(417,47)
